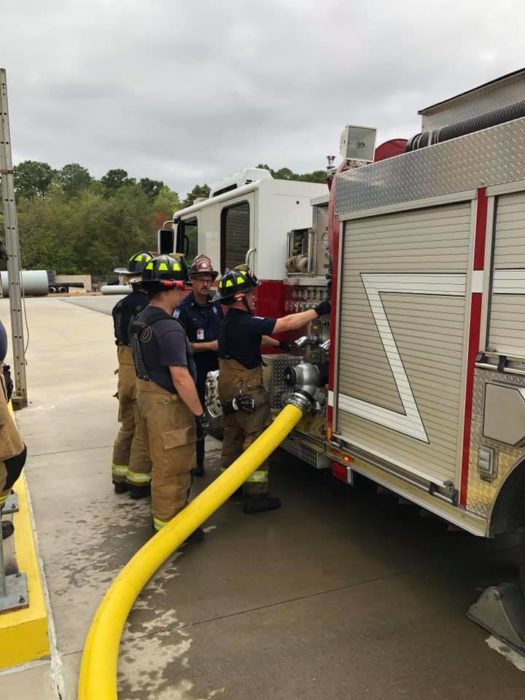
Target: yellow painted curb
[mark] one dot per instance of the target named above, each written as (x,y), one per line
(23,633)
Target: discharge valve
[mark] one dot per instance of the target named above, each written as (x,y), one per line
(306,380)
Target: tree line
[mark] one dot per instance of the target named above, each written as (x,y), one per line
(70,222)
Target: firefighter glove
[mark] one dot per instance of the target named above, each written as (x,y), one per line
(283,345)
(323,308)
(241,402)
(201,423)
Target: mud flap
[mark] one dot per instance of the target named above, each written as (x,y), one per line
(501,610)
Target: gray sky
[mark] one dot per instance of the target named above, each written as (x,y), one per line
(189,91)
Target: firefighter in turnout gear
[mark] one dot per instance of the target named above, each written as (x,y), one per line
(201,318)
(131,464)
(244,399)
(170,411)
(12,449)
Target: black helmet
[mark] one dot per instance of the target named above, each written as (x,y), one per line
(202,266)
(165,271)
(236,283)
(136,264)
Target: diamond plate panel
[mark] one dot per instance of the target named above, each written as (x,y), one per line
(273,376)
(490,157)
(480,493)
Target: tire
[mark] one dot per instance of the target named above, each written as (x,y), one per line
(215,426)
(213,406)
(521,555)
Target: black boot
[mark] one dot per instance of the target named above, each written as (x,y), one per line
(196,536)
(261,503)
(198,471)
(137,492)
(120,486)
(7,529)
(237,493)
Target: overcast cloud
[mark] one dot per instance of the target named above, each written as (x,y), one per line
(189,91)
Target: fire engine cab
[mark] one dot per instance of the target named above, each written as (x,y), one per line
(419,375)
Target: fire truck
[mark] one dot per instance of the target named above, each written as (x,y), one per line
(418,377)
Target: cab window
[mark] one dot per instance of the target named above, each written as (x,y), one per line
(235,235)
(189,231)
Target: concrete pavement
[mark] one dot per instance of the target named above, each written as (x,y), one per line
(341,594)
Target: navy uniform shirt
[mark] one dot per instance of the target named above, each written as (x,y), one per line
(240,337)
(3,342)
(202,324)
(163,345)
(124,312)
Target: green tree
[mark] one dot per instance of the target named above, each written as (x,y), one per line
(73,178)
(287,174)
(45,230)
(113,180)
(150,187)
(166,203)
(111,229)
(33,179)
(197,191)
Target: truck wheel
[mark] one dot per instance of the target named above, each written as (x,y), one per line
(521,562)
(213,405)
(215,425)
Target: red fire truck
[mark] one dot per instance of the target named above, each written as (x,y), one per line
(419,375)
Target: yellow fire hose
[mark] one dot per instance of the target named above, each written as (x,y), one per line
(98,672)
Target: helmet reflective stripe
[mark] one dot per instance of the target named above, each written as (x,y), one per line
(166,268)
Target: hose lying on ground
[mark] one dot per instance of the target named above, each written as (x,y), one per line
(98,671)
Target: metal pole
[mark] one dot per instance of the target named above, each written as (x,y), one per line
(3,586)
(19,397)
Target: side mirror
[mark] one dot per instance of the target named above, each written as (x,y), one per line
(165,241)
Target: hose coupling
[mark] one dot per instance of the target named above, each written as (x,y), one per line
(302,400)
(307,340)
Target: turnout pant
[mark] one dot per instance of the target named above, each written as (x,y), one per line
(131,462)
(169,427)
(241,428)
(12,449)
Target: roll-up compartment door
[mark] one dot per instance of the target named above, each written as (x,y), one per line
(507,309)
(400,357)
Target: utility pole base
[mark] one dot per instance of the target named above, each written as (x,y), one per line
(501,610)
(18,402)
(15,593)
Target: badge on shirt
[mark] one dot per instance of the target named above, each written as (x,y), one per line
(200,333)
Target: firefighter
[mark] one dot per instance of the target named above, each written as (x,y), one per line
(201,317)
(244,399)
(13,452)
(170,411)
(131,464)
